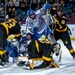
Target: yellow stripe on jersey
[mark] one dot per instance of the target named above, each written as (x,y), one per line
(61,30)
(37,45)
(71,51)
(46,58)
(57,22)
(6,27)
(2,52)
(32,61)
(32,66)
(17,35)
(52,64)
(9,24)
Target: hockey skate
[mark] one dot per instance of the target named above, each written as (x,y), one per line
(27,65)
(73,57)
(4,61)
(24,64)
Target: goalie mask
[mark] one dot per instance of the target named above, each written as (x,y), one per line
(56,47)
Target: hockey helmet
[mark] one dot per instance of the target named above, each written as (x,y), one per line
(14,42)
(29,34)
(18,19)
(30,12)
(47,6)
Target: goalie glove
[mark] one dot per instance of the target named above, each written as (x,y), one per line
(35,30)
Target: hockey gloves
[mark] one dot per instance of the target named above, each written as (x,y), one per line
(35,30)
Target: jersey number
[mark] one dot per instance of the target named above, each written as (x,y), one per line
(11,23)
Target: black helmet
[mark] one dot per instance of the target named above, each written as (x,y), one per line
(18,19)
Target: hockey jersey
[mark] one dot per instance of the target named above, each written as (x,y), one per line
(38,22)
(60,24)
(12,27)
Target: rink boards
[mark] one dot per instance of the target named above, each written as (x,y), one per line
(72,28)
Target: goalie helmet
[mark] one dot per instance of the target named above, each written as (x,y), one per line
(57,47)
(18,19)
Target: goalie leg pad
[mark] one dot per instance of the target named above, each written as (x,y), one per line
(53,65)
(35,63)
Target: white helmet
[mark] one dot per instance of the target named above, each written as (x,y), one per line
(14,42)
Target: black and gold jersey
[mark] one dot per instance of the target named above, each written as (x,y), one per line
(12,27)
(53,10)
(60,24)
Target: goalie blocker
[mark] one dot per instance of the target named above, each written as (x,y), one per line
(40,55)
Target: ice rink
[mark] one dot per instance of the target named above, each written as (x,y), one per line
(67,66)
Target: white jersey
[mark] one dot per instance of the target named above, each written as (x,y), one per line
(37,22)
(48,19)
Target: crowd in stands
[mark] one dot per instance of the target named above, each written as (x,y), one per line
(20,7)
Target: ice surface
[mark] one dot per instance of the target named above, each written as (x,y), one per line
(67,66)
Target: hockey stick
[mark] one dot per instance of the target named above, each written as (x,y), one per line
(24,31)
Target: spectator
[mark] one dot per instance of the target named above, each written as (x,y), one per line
(13,12)
(1,8)
(74,2)
(40,4)
(22,14)
(2,1)
(51,2)
(73,10)
(13,6)
(61,4)
(26,5)
(10,2)
(22,5)
(1,11)
(16,3)
(34,5)
(9,13)
(8,7)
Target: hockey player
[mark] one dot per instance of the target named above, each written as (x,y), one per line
(24,41)
(36,24)
(6,28)
(15,47)
(12,48)
(61,31)
(40,54)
